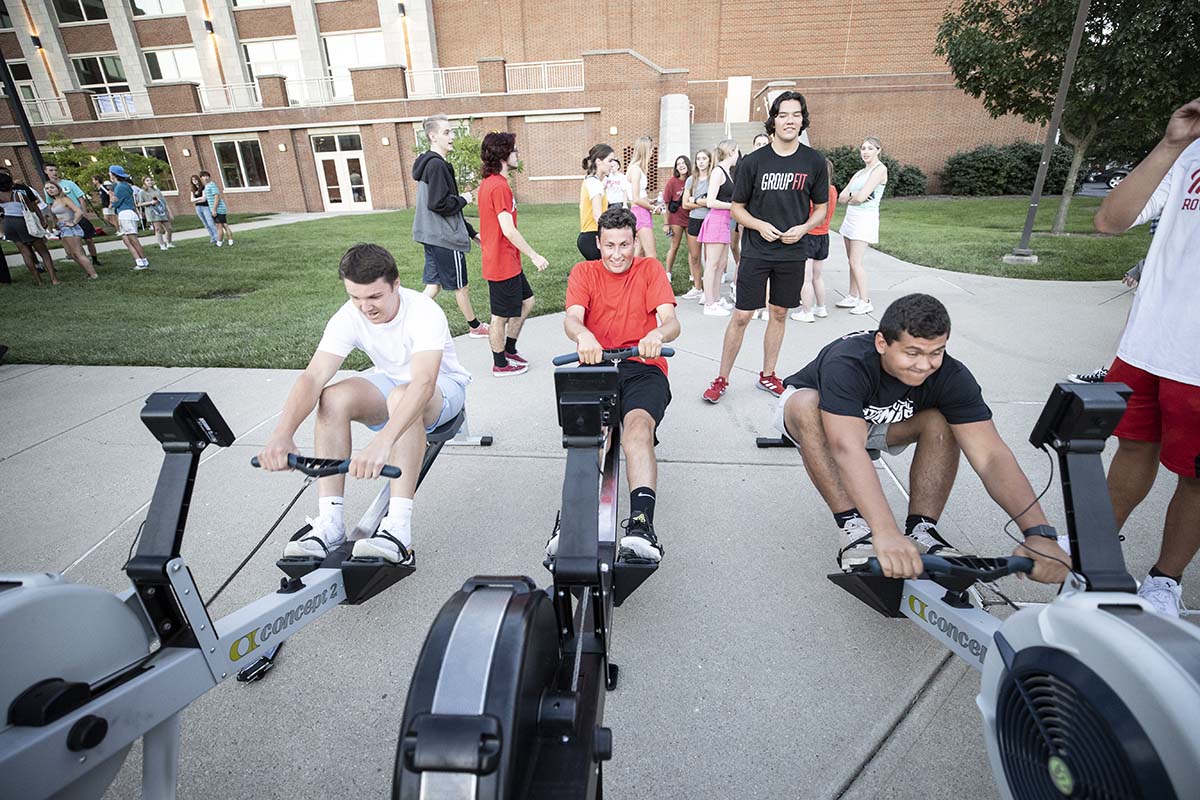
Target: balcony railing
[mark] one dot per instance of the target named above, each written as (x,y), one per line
(544,76)
(125,105)
(231,97)
(43,111)
(445,82)
(319,91)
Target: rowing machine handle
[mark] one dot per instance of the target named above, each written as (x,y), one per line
(321,467)
(609,355)
(985,569)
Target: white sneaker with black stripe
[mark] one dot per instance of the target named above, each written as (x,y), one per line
(385,543)
(930,542)
(324,536)
(858,548)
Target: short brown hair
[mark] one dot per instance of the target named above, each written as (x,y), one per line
(366,263)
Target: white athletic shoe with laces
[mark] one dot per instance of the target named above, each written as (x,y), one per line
(323,537)
(928,541)
(1164,594)
(849,301)
(857,547)
(387,543)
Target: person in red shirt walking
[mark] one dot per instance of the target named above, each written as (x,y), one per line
(614,303)
(508,289)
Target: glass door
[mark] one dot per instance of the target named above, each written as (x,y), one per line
(340,168)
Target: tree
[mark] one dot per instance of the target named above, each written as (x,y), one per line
(80,164)
(464,157)
(1138,61)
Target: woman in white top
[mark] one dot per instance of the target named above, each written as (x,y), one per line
(616,186)
(860,228)
(640,203)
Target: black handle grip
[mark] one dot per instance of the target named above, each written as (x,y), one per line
(980,569)
(609,355)
(322,467)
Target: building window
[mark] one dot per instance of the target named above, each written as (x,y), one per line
(80,10)
(156,8)
(19,71)
(179,64)
(101,74)
(273,57)
(5,19)
(346,50)
(154,150)
(241,164)
(250,3)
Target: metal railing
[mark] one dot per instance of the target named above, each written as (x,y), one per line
(544,76)
(319,91)
(231,97)
(42,111)
(125,105)
(444,82)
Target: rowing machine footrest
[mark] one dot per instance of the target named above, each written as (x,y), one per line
(878,592)
(628,576)
(299,566)
(773,441)
(452,743)
(366,577)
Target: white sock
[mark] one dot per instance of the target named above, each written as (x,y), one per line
(331,508)
(399,519)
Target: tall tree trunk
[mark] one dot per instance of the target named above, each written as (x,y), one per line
(1064,205)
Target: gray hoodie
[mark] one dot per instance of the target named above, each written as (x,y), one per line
(439,219)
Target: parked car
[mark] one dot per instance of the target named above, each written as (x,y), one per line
(1111,174)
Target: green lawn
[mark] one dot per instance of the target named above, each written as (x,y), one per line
(262,303)
(971,234)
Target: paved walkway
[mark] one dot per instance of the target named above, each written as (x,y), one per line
(745,673)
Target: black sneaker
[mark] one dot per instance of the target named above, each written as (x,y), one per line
(639,545)
(1095,376)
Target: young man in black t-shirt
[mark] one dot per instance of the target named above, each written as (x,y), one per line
(888,389)
(780,193)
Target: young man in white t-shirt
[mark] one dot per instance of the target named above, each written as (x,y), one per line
(1159,356)
(417,385)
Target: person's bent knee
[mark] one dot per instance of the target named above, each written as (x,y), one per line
(778,313)
(334,403)
(396,396)
(637,429)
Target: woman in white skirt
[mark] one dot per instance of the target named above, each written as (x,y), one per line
(860,227)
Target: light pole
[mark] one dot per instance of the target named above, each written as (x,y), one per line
(18,112)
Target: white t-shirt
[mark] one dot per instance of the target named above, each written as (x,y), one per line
(1164,325)
(617,188)
(420,325)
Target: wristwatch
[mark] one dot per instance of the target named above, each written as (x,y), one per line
(1041,530)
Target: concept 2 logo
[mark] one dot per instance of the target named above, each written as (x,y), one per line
(963,639)
(247,644)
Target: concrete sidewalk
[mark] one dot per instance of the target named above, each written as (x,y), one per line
(745,673)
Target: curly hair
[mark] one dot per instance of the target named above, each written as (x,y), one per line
(769,125)
(495,150)
(922,316)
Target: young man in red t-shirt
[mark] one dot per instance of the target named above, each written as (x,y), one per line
(614,303)
(509,290)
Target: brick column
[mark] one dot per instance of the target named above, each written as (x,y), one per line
(273,91)
(492,76)
(174,98)
(79,101)
(379,83)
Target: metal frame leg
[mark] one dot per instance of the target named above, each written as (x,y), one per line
(464,437)
(160,759)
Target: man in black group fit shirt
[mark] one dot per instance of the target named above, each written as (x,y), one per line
(887,389)
(780,193)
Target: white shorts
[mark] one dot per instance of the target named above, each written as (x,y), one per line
(454,396)
(860,225)
(128,222)
(876,443)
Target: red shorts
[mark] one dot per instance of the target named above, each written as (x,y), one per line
(1161,410)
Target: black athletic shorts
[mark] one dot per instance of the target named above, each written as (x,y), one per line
(507,295)
(588,245)
(818,247)
(89,230)
(694,226)
(445,267)
(221,218)
(644,386)
(786,278)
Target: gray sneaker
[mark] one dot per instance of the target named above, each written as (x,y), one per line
(857,549)
(930,541)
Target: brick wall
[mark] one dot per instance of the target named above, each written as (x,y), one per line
(165,32)
(96,38)
(10,46)
(348,15)
(264,23)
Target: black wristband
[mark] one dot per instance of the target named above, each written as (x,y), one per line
(1041,530)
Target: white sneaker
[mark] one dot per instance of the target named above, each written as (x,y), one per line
(323,537)
(929,541)
(716,310)
(162,247)
(863,307)
(170,245)
(725,304)
(820,312)
(1164,594)
(759,313)
(219,243)
(693,293)
(803,316)
(230,243)
(849,301)
(387,543)
(857,547)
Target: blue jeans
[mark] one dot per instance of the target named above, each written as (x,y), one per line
(205,215)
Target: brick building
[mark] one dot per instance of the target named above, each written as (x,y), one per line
(305,105)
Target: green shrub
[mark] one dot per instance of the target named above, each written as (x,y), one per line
(1024,158)
(979,172)
(903,179)
(910,182)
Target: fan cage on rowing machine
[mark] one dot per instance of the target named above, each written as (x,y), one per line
(1104,751)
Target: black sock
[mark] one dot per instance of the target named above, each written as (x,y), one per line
(473,323)
(510,345)
(914,520)
(842,517)
(641,501)
(500,359)
(1155,572)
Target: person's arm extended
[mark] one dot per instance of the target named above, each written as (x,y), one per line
(876,177)
(847,437)
(409,411)
(635,189)
(1121,207)
(509,229)
(301,400)
(586,344)
(668,329)
(744,218)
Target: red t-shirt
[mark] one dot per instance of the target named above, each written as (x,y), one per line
(620,309)
(501,259)
(673,191)
(829,209)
